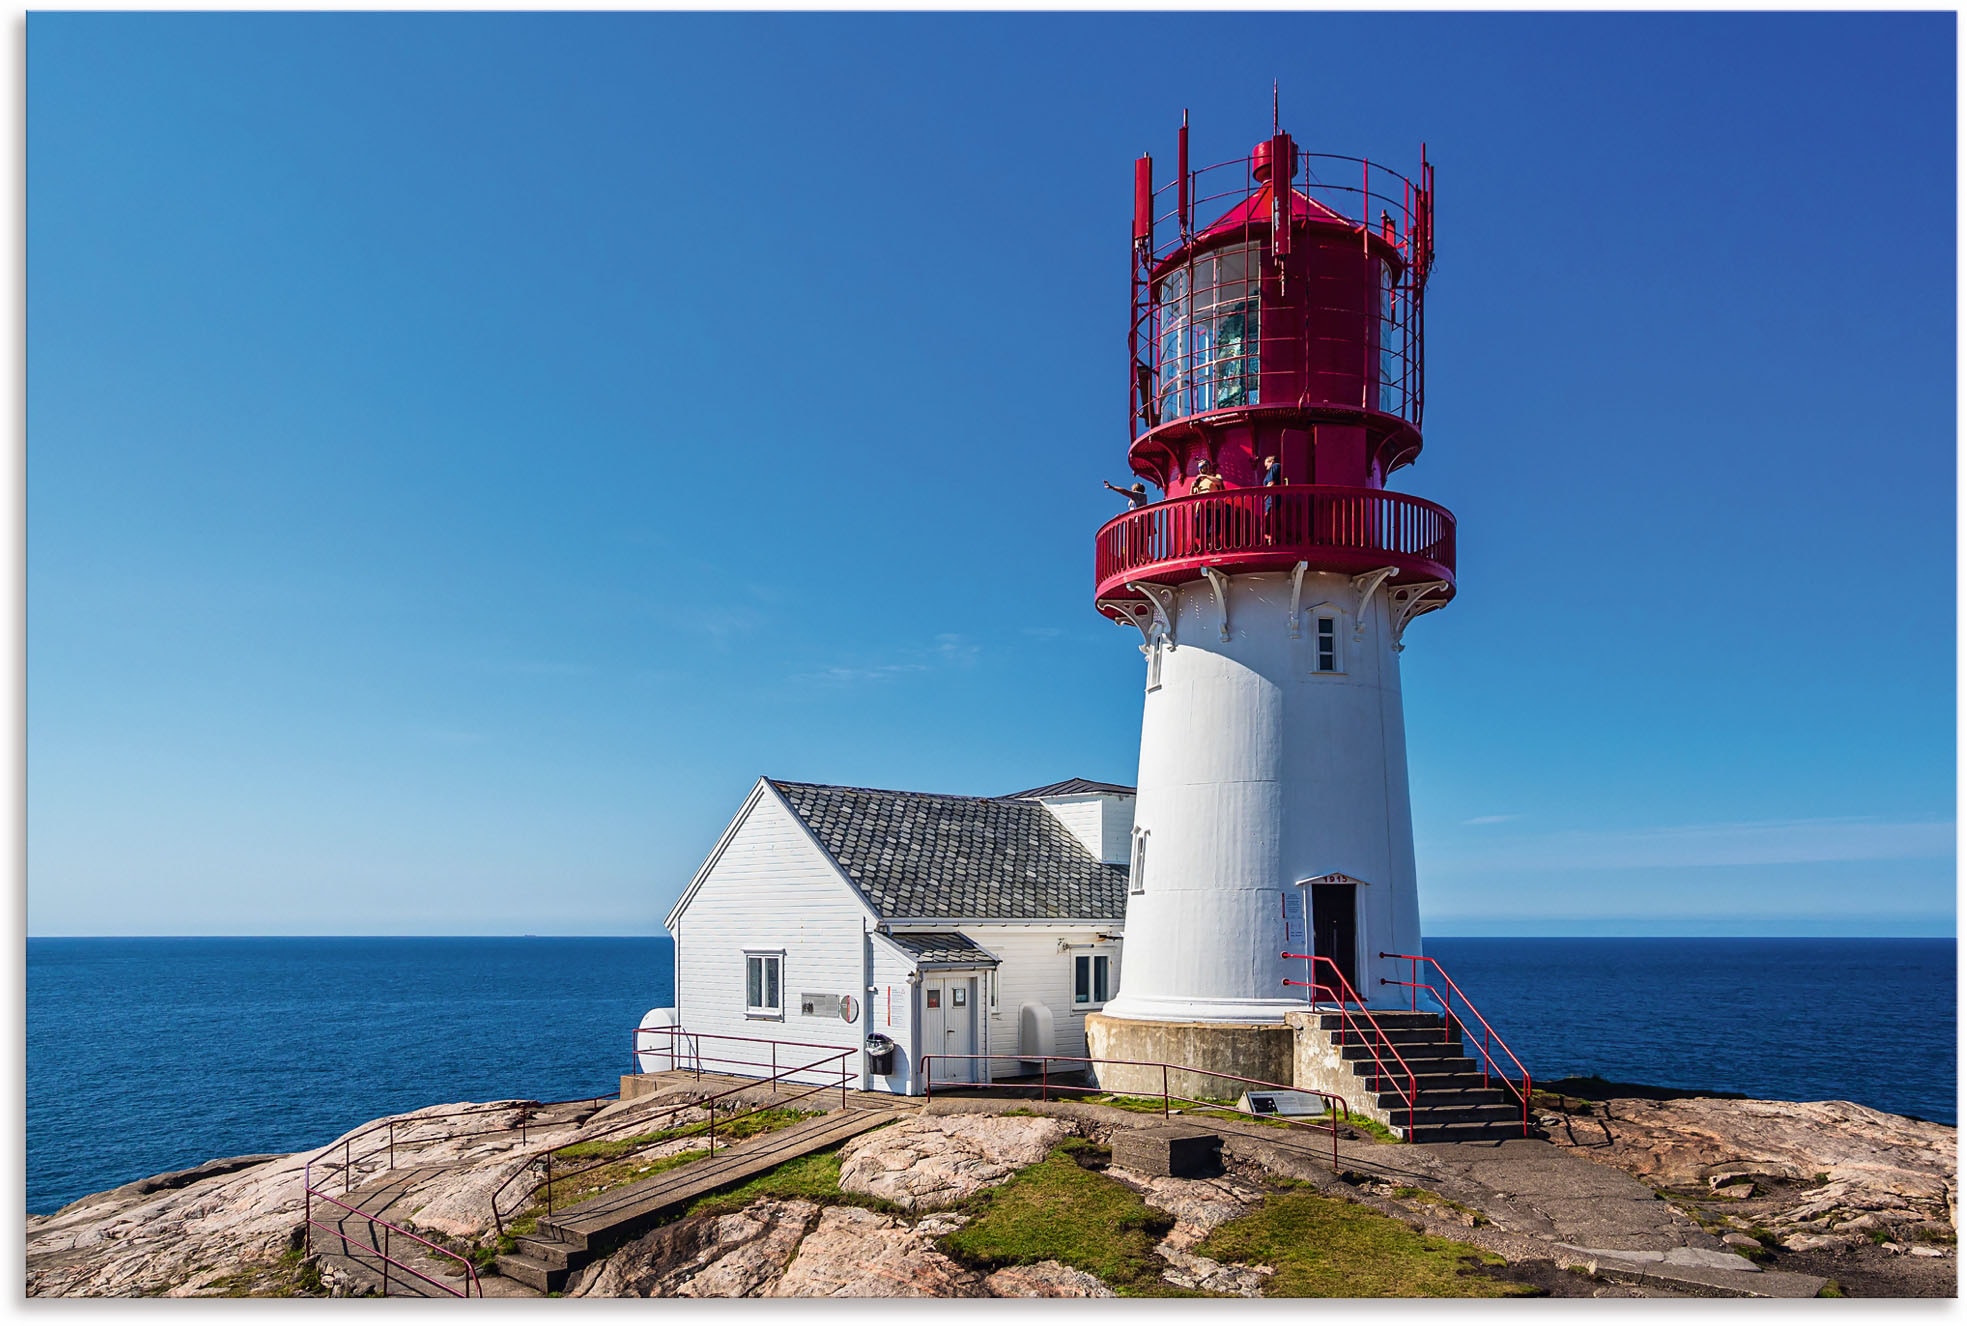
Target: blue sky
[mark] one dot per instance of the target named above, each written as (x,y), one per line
(465,451)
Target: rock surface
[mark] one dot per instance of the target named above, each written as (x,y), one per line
(1815,1174)
(937,1160)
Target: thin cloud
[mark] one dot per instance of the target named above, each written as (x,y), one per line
(1490,819)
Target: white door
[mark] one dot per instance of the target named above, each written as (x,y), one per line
(949,1026)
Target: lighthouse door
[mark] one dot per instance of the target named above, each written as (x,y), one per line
(949,1025)
(1334,929)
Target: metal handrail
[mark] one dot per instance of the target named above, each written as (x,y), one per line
(1346,994)
(1277,525)
(1452,1020)
(697,1058)
(709,1124)
(471,1272)
(525,1109)
(1335,1104)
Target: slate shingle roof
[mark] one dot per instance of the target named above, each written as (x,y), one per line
(1070,787)
(942,948)
(916,854)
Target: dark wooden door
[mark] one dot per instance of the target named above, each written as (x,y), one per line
(1334,930)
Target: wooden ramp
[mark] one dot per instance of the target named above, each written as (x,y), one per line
(570,1239)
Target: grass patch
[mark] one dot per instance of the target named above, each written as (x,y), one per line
(750,1125)
(1831,1289)
(1428,1197)
(291,1275)
(1059,1210)
(1323,1247)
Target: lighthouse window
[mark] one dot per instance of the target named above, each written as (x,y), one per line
(1154,665)
(1137,869)
(1328,644)
(1207,315)
(1091,978)
(761,985)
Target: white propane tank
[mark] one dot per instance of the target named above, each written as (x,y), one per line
(1034,1033)
(653,1052)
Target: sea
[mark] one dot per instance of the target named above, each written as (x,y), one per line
(147,1055)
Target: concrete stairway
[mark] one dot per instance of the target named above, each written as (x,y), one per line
(570,1239)
(1451,1101)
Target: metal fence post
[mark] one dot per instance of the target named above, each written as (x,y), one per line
(392,1144)
(344,1169)
(1164,1091)
(549,1183)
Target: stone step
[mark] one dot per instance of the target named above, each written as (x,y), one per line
(1428,1111)
(532,1272)
(1433,1056)
(1470,1132)
(551,1252)
(1475,1095)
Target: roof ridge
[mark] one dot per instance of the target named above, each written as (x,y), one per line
(884,791)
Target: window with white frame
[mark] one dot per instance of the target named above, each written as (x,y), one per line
(763,985)
(1093,979)
(1137,868)
(1154,665)
(1325,644)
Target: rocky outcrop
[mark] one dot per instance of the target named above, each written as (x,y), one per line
(1199,1206)
(937,1160)
(1814,1173)
(729,1256)
(854,1253)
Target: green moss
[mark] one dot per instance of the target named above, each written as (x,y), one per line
(1059,1210)
(291,1275)
(1831,1289)
(1323,1247)
(1427,1197)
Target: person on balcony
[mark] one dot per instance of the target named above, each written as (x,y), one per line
(1273,478)
(1208,524)
(1136,496)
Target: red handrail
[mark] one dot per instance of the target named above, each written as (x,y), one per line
(1348,996)
(1360,528)
(1335,1107)
(1452,1021)
(471,1272)
(709,1124)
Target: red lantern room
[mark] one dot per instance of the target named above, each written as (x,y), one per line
(1289,326)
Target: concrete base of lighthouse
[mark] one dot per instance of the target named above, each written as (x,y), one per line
(1265,1051)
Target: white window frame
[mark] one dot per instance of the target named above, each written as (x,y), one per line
(1137,863)
(1154,664)
(764,1012)
(1092,955)
(1320,615)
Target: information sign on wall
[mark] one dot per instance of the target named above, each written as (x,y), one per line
(820,1005)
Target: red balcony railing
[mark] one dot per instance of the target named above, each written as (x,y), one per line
(1349,530)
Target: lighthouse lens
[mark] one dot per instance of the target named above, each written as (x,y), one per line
(1207,332)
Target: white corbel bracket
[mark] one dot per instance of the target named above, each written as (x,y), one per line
(1167,604)
(1408,602)
(1297,592)
(1220,584)
(1366,584)
(1143,617)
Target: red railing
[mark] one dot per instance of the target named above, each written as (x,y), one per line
(1251,529)
(709,1104)
(1345,997)
(1335,1108)
(1457,1026)
(387,1148)
(340,1231)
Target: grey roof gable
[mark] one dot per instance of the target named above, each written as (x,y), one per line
(1071,787)
(919,855)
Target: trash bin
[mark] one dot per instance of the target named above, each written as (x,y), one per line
(880,1055)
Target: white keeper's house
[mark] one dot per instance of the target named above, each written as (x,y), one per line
(980,926)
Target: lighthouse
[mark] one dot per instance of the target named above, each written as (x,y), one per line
(1275,387)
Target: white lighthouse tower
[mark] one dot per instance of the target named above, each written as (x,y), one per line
(1276,385)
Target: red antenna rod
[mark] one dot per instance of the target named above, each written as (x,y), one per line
(1182,219)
